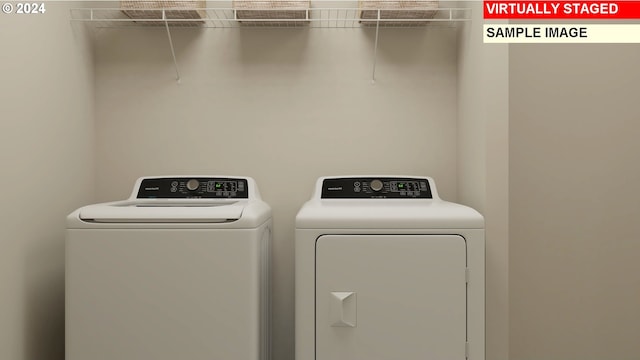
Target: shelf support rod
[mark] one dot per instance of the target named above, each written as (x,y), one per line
(173,53)
(375,49)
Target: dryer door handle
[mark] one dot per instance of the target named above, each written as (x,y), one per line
(343,309)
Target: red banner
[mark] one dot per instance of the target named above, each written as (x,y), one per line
(561,9)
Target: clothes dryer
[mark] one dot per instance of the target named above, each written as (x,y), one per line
(385,269)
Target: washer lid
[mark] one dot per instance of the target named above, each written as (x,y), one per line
(162,212)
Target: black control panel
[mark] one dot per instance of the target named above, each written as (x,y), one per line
(193,188)
(376,188)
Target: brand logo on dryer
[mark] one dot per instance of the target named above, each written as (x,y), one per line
(336,188)
(153,188)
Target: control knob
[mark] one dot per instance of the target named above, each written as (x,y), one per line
(376,185)
(193,184)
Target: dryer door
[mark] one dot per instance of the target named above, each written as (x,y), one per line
(382,297)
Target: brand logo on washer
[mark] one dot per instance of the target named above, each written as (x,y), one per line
(337,188)
(156,188)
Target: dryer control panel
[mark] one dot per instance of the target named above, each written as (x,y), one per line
(376,188)
(193,188)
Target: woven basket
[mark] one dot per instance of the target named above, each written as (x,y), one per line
(416,9)
(185,9)
(272,10)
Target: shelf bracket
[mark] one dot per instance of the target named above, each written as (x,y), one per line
(173,53)
(375,50)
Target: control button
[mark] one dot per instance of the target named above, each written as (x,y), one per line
(174,184)
(393,186)
(356,189)
(174,189)
(193,184)
(376,185)
(356,184)
(423,186)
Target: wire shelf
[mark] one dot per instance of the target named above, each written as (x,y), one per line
(316,17)
(228,17)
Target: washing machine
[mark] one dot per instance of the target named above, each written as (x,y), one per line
(385,269)
(180,270)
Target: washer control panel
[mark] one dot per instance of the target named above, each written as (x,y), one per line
(376,188)
(193,188)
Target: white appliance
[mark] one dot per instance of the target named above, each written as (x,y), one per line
(385,269)
(180,270)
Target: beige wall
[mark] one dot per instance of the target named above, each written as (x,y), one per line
(283,106)
(483,123)
(46,152)
(574,202)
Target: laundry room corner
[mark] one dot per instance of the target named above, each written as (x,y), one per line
(529,244)
(483,160)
